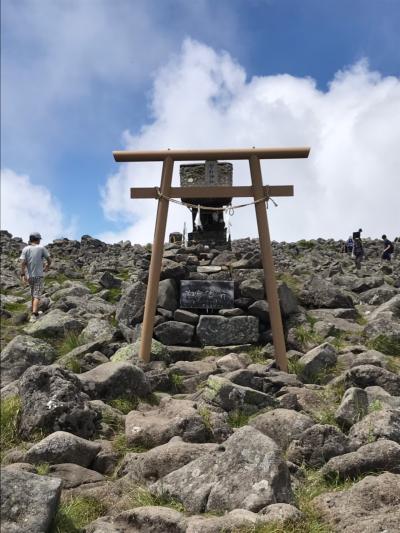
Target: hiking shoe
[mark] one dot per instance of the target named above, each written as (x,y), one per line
(33,318)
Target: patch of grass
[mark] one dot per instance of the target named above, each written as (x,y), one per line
(330,401)
(142,497)
(93,287)
(76,513)
(176,381)
(9,418)
(211,352)
(74,365)
(295,367)
(385,344)
(120,445)
(307,335)
(16,307)
(375,405)
(339,340)
(124,275)
(308,245)
(205,414)
(125,405)
(69,343)
(257,354)
(293,283)
(51,278)
(237,418)
(393,364)
(361,320)
(42,469)
(113,295)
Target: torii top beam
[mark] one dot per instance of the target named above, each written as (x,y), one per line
(122,156)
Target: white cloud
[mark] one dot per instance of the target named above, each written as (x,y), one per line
(202,99)
(26,207)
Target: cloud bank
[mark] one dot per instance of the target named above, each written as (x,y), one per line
(26,207)
(203,99)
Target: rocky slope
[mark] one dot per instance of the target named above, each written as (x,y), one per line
(208,436)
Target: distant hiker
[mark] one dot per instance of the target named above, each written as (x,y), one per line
(348,247)
(388,248)
(32,257)
(358,250)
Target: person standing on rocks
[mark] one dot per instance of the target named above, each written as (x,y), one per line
(32,269)
(358,249)
(388,250)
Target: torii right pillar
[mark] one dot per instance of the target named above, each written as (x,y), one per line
(268,265)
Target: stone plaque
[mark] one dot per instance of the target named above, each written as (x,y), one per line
(207,294)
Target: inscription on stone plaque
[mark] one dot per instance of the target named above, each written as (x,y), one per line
(199,294)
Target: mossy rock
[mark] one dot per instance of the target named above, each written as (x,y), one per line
(158,352)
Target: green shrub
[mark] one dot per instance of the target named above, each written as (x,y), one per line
(42,469)
(113,295)
(122,447)
(237,418)
(176,381)
(141,497)
(76,513)
(69,343)
(257,354)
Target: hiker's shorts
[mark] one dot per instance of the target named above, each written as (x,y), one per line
(36,286)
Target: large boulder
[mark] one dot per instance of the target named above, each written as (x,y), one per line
(282,425)
(167,294)
(247,472)
(320,293)
(148,467)
(222,331)
(317,360)
(317,445)
(230,396)
(380,456)
(97,329)
(21,353)
(287,300)
(174,333)
(130,307)
(53,400)
(369,506)
(63,447)
(384,424)
(171,418)
(28,501)
(114,380)
(55,323)
(366,375)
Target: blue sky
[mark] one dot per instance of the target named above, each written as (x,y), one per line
(81,78)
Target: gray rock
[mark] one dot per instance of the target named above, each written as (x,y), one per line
(221,331)
(281,512)
(369,506)
(53,400)
(384,424)
(382,455)
(130,307)
(55,324)
(260,309)
(317,360)
(282,425)
(252,288)
(366,375)
(147,467)
(108,281)
(28,501)
(369,357)
(378,397)
(63,447)
(229,396)
(320,293)
(73,475)
(174,333)
(246,472)
(172,269)
(114,380)
(96,329)
(168,295)
(182,315)
(172,417)
(352,408)
(378,295)
(232,361)
(224,259)
(235,311)
(317,445)
(22,352)
(141,520)
(287,300)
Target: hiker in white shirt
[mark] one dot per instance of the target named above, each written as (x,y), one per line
(32,269)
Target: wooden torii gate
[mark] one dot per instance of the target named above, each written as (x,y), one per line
(256,190)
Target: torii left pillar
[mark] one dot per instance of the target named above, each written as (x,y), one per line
(257,190)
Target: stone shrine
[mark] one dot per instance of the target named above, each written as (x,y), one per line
(209,174)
